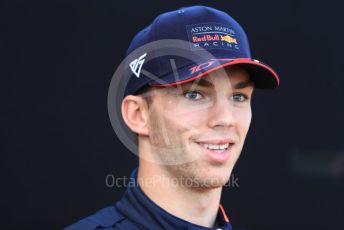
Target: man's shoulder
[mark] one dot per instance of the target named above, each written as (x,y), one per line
(106,218)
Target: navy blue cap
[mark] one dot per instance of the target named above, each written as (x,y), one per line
(183,45)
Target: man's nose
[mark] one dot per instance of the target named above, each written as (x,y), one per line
(221,114)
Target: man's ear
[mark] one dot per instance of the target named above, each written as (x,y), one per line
(135,114)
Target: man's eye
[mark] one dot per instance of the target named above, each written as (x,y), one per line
(238,97)
(193,95)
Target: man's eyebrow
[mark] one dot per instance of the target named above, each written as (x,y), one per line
(207,83)
(243,84)
(202,82)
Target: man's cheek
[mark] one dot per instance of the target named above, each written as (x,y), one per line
(190,119)
(244,118)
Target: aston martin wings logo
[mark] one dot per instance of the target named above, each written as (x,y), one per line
(136,65)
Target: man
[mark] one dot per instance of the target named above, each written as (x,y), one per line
(190,108)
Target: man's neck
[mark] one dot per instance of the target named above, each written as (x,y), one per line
(190,204)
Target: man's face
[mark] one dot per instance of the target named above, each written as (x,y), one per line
(197,130)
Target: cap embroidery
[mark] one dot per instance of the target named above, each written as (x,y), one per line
(212,36)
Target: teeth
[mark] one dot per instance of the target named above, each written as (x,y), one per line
(216,147)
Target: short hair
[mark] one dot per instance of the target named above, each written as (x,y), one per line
(145,93)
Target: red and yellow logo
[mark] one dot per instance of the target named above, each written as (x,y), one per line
(229,39)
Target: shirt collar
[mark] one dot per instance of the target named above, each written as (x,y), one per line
(140,209)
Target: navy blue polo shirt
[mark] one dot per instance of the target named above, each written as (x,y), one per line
(137,211)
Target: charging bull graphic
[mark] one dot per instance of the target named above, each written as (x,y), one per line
(229,39)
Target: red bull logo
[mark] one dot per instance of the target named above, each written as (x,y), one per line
(212,36)
(229,39)
(206,38)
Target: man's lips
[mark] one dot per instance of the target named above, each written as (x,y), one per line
(217,150)
(216,141)
(216,147)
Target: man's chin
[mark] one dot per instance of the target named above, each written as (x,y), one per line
(211,182)
(207,186)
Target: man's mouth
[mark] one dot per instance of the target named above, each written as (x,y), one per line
(216,144)
(217,150)
(214,147)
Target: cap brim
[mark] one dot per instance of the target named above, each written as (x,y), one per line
(262,75)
